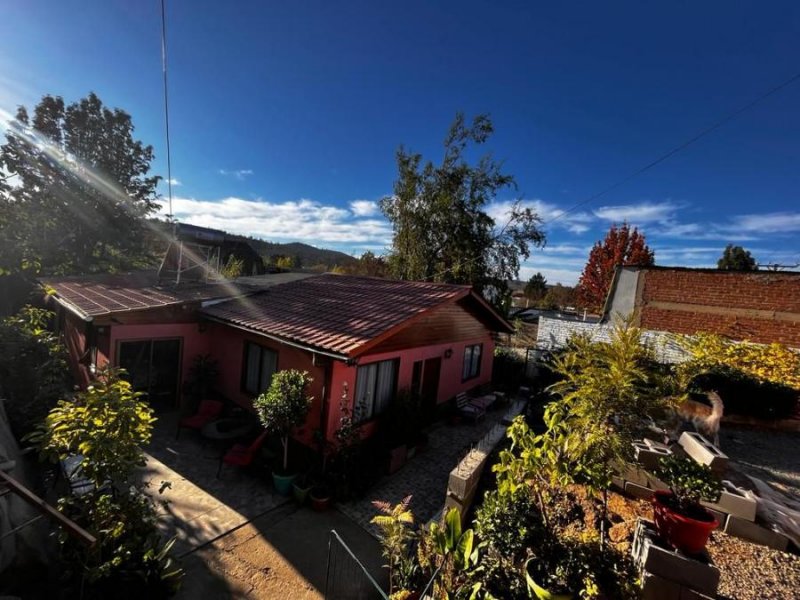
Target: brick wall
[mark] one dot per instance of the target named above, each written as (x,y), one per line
(762,307)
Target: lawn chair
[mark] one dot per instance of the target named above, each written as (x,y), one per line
(242,455)
(206,412)
(465,408)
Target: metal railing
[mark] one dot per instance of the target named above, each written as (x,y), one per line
(346,577)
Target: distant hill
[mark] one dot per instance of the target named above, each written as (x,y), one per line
(306,255)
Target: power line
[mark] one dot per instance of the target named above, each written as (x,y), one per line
(680,147)
(166,102)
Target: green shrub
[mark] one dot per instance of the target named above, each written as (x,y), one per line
(508,522)
(745,395)
(689,481)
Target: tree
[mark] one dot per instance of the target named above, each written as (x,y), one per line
(441,231)
(559,296)
(536,287)
(80,193)
(621,247)
(368,265)
(736,258)
(284,406)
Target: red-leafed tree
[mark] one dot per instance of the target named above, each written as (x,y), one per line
(622,246)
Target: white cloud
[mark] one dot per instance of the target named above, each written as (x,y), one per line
(550,214)
(175,182)
(364,208)
(302,220)
(239,174)
(644,212)
(553,276)
(776,222)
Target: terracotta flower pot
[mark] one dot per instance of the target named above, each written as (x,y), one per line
(684,533)
(320,498)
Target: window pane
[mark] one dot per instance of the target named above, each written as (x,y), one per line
(476,361)
(387,377)
(253,356)
(365,388)
(269,364)
(467,362)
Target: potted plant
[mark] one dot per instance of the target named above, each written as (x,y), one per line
(320,497)
(301,487)
(281,409)
(679,517)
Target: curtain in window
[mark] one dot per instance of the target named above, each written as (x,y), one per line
(384,392)
(476,361)
(269,364)
(467,362)
(365,391)
(251,383)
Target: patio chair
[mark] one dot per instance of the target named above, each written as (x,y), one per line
(465,408)
(242,455)
(206,412)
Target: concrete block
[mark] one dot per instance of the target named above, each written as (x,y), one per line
(703,451)
(655,587)
(633,473)
(753,532)
(647,456)
(618,484)
(733,502)
(638,491)
(654,483)
(652,556)
(655,444)
(721,518)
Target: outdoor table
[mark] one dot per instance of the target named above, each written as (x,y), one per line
(227,430)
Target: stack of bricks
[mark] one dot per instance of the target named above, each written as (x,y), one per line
(668,574)
(637,480)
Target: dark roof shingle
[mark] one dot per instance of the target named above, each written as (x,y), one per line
(337,313)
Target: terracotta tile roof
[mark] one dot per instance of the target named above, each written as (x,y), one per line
(336,313)
(95,295)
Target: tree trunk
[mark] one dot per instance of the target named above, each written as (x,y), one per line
(285,441)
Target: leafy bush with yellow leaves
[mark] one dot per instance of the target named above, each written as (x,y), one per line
(773,363)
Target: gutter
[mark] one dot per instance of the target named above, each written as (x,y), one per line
(280,340)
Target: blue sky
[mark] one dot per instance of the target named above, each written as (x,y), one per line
(286,115)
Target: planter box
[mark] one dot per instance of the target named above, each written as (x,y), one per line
(464,478)
(703,451)
(696,573)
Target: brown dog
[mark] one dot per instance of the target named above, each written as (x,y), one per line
(706,419)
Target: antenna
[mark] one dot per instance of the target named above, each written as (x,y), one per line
(166,103)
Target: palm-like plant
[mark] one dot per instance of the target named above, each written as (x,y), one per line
(395,522)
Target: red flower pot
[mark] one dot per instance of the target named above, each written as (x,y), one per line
(683,533)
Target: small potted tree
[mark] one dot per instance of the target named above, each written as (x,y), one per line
(679,517)
(281,409)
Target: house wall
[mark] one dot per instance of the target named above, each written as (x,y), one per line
(226,344)
(194,341)
(762,307)
(450,384)
(74,332)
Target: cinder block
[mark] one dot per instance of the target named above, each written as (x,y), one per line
(618,483)
(753,532)
(633,473)
(721,517)
(733,502)
(651,556)
(703,451)
(647,456)
(655,444)
(659,588)
(638,491)
(654,483)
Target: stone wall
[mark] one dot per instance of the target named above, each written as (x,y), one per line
(554,333)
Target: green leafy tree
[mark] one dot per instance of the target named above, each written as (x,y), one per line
(233,267)
(82,191)
(536,288)
(438,214)
(284,406)
(559,296)
(107,424)
(622,246)
(736,258)
(33,367)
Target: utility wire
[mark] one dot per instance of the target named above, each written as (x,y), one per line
(680,147)
(166,102)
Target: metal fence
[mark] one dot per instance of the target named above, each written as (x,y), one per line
(346,578)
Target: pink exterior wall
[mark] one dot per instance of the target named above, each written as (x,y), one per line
(450,382)
(227,346)
(194,341)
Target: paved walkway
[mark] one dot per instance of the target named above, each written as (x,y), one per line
(424,476)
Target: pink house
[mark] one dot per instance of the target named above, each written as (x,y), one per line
(361,339)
